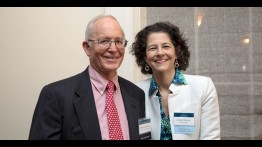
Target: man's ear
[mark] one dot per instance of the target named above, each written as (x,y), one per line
(86,48)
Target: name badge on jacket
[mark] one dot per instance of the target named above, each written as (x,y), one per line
(144,128)
(184,123)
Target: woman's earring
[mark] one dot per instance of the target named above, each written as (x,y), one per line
(147,67)
(176,64)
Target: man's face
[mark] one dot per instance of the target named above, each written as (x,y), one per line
(106,60)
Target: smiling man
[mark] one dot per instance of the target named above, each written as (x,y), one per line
(96,104)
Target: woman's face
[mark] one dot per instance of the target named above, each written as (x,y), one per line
(160,52)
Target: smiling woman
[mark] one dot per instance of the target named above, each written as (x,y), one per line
(161,51)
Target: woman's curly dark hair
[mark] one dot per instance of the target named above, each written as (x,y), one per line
(138,48)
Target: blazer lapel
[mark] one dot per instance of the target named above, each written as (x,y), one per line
(85,108)
(131,107)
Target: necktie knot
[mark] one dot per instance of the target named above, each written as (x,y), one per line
(110,85)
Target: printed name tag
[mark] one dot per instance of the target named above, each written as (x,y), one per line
(184,123)
(144,128)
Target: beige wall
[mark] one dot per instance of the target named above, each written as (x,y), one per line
(38,46)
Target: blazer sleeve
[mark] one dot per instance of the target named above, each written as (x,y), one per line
(210,118)
(46,122)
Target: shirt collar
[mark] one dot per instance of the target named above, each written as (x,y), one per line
(179,79)
(100,82)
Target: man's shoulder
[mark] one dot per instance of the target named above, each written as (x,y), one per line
(123,81)
(66,82)
(127,84)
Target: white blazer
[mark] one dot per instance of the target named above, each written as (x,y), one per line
(198,97)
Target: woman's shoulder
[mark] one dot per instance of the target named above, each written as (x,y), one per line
(197,79)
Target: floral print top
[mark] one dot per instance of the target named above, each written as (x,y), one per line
(178,79)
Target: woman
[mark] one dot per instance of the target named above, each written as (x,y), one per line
(179,106)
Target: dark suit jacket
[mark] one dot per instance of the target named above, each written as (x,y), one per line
(66,110)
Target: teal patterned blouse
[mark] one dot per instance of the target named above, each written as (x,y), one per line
(179,79)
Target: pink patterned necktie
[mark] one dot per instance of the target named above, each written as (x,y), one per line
(115,131)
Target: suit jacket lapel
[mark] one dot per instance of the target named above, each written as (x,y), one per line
(131,108)
(85,108)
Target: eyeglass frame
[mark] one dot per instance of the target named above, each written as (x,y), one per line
(98,41)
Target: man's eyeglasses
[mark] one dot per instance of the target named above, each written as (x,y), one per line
(106,43)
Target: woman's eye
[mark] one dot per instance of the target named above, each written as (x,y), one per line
(152,49)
